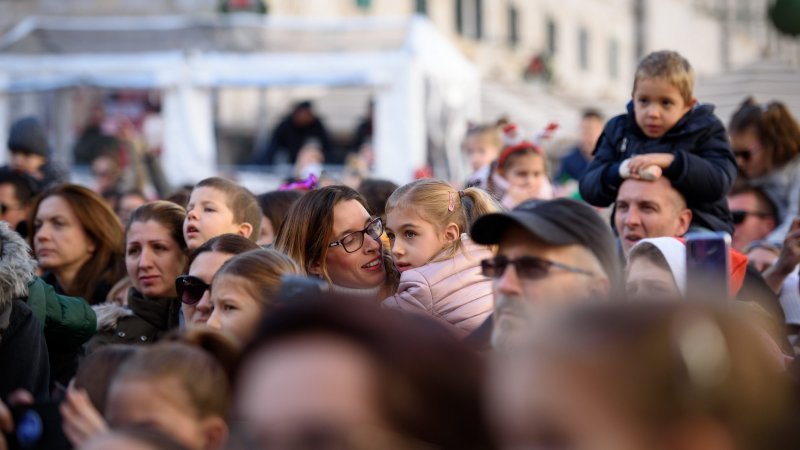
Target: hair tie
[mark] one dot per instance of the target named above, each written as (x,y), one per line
(451,204)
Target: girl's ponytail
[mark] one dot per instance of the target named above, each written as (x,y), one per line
(476,203)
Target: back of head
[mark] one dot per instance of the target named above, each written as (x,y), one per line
(242,203)
(27,135)
(669,66)
(665,365)
(275,204)
(206,380)
(376,192)
(167,214)
(137,436)
(421,396)
(98,369)
(777,130)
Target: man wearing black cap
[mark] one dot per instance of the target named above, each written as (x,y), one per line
(549,253)
(30,153)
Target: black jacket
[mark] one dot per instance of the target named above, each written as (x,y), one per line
(23,353)
(145,321)
(703,170)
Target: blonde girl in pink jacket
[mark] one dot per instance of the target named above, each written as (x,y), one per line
(426,222)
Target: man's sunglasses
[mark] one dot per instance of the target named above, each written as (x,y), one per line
(528,267)
(739,216)
(190,289)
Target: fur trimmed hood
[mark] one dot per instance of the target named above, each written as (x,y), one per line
(17,266)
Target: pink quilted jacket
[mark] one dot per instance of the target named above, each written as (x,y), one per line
(453,290)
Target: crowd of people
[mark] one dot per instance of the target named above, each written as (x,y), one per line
(518,309)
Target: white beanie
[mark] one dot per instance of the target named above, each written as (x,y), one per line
(674,252)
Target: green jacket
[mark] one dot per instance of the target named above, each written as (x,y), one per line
(68,320)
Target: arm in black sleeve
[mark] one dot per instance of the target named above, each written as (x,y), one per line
(705,173)
(600,183)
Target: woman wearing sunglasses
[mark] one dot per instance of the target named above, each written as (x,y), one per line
(155,254)
(331,235)
(765,139)
(193,287)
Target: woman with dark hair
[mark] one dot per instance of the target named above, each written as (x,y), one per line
(155,254)
(765,139)
(204,262)
(77,240)
(274,206)
(331,235)
(350,375)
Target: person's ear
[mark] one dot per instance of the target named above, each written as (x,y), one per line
(245,229)
(451,233)
(316,269)
(684,221)
(768,224)
(215,432)
(692,102)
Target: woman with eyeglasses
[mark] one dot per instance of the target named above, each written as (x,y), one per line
(331,235)
(155,254)
(193,287)
(765,139)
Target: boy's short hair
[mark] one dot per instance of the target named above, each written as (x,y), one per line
(242,203)
(669,66)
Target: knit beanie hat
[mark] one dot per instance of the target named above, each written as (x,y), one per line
(28,136)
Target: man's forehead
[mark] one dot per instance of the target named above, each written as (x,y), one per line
(634,191)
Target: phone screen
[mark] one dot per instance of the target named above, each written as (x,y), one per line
(708,266)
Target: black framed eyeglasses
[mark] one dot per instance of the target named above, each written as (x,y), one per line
(739,216)
(352,242)
(529,267)
(190,289)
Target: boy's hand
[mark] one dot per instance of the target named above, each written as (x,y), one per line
(639,162)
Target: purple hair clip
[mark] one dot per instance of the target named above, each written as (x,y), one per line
(302,185)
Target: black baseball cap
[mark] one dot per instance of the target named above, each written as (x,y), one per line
(556,222)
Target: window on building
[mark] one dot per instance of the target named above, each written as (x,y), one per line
(613,59)
(421,7)
(583,49)
(469,18)
(552,37)
(513,26)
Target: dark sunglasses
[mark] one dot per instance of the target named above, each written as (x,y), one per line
(190,289)
(739,216)
(528,267)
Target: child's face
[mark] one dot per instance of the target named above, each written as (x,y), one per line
(526,171)
(479,152)
(162,403)
(414,241)
(234,311)
(207,216)
(658,106)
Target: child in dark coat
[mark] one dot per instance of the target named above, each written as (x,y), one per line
(666,133)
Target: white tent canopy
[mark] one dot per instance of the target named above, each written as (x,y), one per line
(418,76)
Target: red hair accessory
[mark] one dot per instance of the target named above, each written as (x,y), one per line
(514,142)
